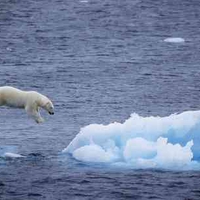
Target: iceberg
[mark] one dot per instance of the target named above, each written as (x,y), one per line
(169,142)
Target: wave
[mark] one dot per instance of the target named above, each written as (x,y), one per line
(171,142)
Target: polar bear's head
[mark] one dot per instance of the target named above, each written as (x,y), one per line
(49,107)
(45,103)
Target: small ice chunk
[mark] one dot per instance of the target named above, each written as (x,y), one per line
(84,1)
(174,40)
(12,155)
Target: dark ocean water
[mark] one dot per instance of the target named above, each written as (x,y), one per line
(99,61)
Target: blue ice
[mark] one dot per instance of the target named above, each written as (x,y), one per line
(171,142)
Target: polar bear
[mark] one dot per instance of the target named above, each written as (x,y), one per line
(31,101)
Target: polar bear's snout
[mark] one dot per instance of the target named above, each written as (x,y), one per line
(50,108)
(51,113)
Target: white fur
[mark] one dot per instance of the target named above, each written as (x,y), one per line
(31,101)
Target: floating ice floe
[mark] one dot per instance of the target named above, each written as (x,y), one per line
(171,142)
(174,40)
(9,152)
(84,1)
(13,155)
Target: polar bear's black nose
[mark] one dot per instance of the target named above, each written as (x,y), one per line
(51,113)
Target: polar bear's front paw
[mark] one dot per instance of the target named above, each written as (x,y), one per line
(39,120)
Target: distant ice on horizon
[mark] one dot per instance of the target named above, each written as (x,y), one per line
(84,1)
(174,40)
